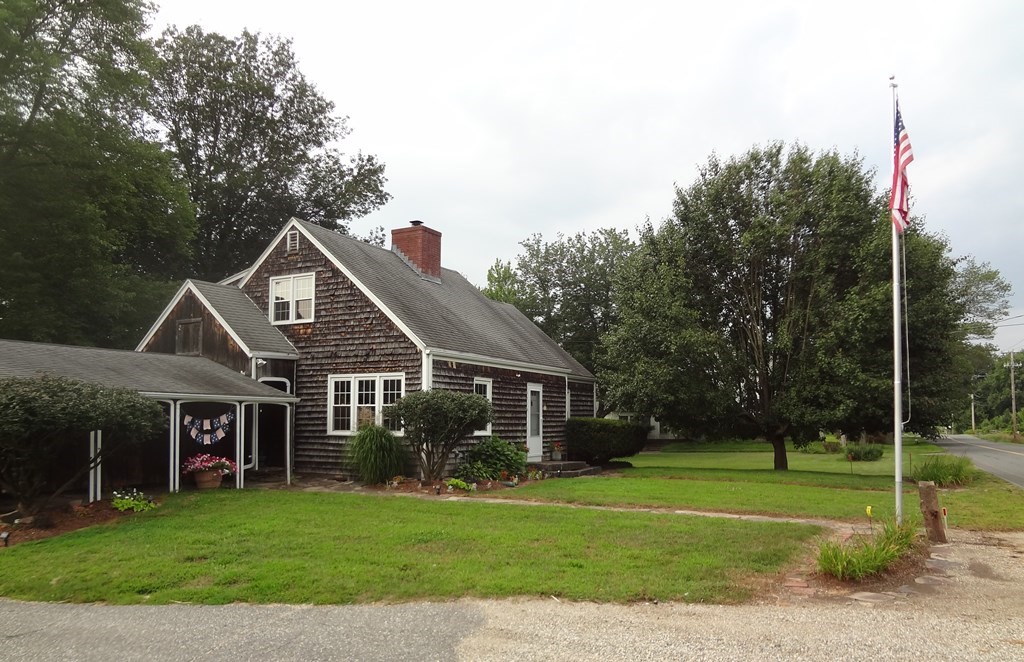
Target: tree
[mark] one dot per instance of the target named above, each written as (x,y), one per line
(44,426)
(759,306)
(565,286)
(984,295)
(436,422)
(94,221)
(254,140)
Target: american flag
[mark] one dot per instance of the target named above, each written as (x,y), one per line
(902,156)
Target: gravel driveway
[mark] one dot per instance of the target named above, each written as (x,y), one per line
(971,608)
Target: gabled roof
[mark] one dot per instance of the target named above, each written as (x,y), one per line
(239,316)
(451,315)
(148,373)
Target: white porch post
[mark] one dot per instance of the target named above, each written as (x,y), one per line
(95,471)
(288,443)
(240,444)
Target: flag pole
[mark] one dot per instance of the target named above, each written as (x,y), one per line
(897,345)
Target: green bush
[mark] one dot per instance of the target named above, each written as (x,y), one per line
(866,556)
(436,422)
(598,440)
(489,457)
(863,452)
(944,471)
(831,446)
(377,454)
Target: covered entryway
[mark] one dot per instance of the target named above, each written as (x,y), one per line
(195,392)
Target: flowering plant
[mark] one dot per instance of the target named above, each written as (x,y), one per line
(207,462)
(132,500)
(559,446)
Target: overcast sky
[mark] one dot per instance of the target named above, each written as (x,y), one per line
(499,120)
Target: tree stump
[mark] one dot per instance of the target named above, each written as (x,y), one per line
(933,524)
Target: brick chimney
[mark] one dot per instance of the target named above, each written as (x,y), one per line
(420,246)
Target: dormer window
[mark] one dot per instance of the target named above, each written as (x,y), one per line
(293,242)
(291,299)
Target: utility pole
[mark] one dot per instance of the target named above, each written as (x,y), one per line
(1013,396)
(973,430)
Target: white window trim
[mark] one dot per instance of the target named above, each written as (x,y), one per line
(292,307)
(486,432)
(353,405)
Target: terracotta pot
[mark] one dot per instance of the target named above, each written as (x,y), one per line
(208,480)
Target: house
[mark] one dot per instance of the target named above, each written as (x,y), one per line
(348,328)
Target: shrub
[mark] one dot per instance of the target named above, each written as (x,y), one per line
(436,421)
(831,446)
(377,454)
(598,440)
(45,422)
(488,458)
(863,452)
(944,471)
(868,555)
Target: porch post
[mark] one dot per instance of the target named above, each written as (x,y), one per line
(95,471)
(289,412)
(240,445)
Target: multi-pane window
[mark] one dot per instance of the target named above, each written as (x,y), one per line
(188,338)
(356,400)
(482,387)
(291,299)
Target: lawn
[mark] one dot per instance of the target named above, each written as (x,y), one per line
(740,480)
(261,546)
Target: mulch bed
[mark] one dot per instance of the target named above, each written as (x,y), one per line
(56,521)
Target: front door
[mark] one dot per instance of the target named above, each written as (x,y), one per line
(534,422)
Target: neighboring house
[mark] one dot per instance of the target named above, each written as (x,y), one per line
(348,328)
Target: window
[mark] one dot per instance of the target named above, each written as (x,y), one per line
(188,338)
(291,299)
(293,241)
(482,386)
(355,400)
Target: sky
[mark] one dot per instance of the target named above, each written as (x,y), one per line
(496,121)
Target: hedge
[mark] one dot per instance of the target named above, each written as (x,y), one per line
(598,440)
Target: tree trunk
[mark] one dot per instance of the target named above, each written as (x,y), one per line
(779,444)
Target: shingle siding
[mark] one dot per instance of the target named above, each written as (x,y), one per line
(348,335)
(217,344)
(581,399)
(509,397)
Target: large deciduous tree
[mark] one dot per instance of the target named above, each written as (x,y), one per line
(255,141)
(760,305)
(565,286)
(94,220)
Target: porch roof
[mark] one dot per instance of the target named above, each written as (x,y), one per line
(148,373)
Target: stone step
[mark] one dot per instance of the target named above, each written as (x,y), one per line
(565,469)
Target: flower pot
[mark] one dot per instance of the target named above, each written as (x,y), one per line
(208,480)
(556,456)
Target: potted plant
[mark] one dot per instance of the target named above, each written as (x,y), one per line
(556,451)
(208,470)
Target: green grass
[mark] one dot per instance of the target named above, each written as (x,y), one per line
(816,486)
(734,496)
(324,548)
(867,555)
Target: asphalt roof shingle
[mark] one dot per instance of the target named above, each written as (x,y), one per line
(451,315)
(245,318)
(145,372)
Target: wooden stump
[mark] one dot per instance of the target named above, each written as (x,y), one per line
(933,524)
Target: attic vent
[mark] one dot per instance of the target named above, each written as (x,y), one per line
(293,241)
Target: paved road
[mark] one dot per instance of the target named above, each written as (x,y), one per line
(1003,460)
